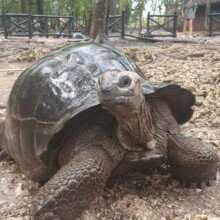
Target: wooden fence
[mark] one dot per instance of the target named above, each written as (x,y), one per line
(41,25)
(161,25)
(214,24)
(29,25)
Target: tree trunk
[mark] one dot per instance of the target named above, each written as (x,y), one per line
(24,6)
(141,7)
(112,7)
(208,6)
(140,19)
(154,6)
(40,11)
(176,6)
(112,11)
(99,19)
(29,6)
(40,8)
(121,5)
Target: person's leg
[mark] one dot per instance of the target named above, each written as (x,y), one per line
(190,27)
(185,26)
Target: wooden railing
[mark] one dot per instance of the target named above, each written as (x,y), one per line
(168,26)
(116,24)
(214,24)
(41,25)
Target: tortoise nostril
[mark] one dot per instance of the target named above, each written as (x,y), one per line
(105,91)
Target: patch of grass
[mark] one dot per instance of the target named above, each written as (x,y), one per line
(189,133)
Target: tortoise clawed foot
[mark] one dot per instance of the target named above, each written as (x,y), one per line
(200,184)
(205,183)
(4,155)
(210,182)
(193,185)
(188,184)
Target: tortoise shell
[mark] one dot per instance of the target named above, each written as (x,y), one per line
(51,92)
(58,87)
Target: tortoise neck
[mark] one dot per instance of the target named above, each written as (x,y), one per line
(136,132)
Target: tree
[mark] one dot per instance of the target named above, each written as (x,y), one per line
(99,20)
(112,7)
(23,6)
(207,9)
(40,8)
(122,5)
(137,7)
(141,7)
(168,4)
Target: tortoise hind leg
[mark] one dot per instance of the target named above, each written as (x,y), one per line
(2,129)
(191,161)
(73,187)
(3,154)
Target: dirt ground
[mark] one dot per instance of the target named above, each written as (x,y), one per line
(155,195)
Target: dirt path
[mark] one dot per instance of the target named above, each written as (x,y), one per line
(149,196)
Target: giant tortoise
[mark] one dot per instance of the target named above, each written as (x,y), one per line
(85,113)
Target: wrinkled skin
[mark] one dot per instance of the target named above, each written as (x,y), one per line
(144,128)
(137,130)
(58,133)
(190,159)
(89,156)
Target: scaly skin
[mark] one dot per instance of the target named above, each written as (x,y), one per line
(73,187)
(191,161)
(3,154)
(93,150)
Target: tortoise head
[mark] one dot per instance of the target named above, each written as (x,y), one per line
(122,91)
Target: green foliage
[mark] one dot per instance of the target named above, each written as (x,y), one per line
(188,134)
(132,8)
(128,11)
(174,4)
(78,8)
(170,2)
(9,6)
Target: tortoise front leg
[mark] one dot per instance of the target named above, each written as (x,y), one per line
(139,160)
(191,161)
(73,187)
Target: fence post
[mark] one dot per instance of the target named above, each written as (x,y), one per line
(46,26)
(148,23)
(210,24)
(3,20)
(122,24)
(70,26)
(175,24)
(29,25)
(86,26)
(4,25)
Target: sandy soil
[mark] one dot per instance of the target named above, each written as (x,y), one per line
(140,195)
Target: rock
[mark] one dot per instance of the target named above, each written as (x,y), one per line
(19,189)
(199,100)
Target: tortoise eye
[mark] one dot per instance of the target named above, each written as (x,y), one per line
(124,81)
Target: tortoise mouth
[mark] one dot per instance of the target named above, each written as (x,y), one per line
(116,99)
